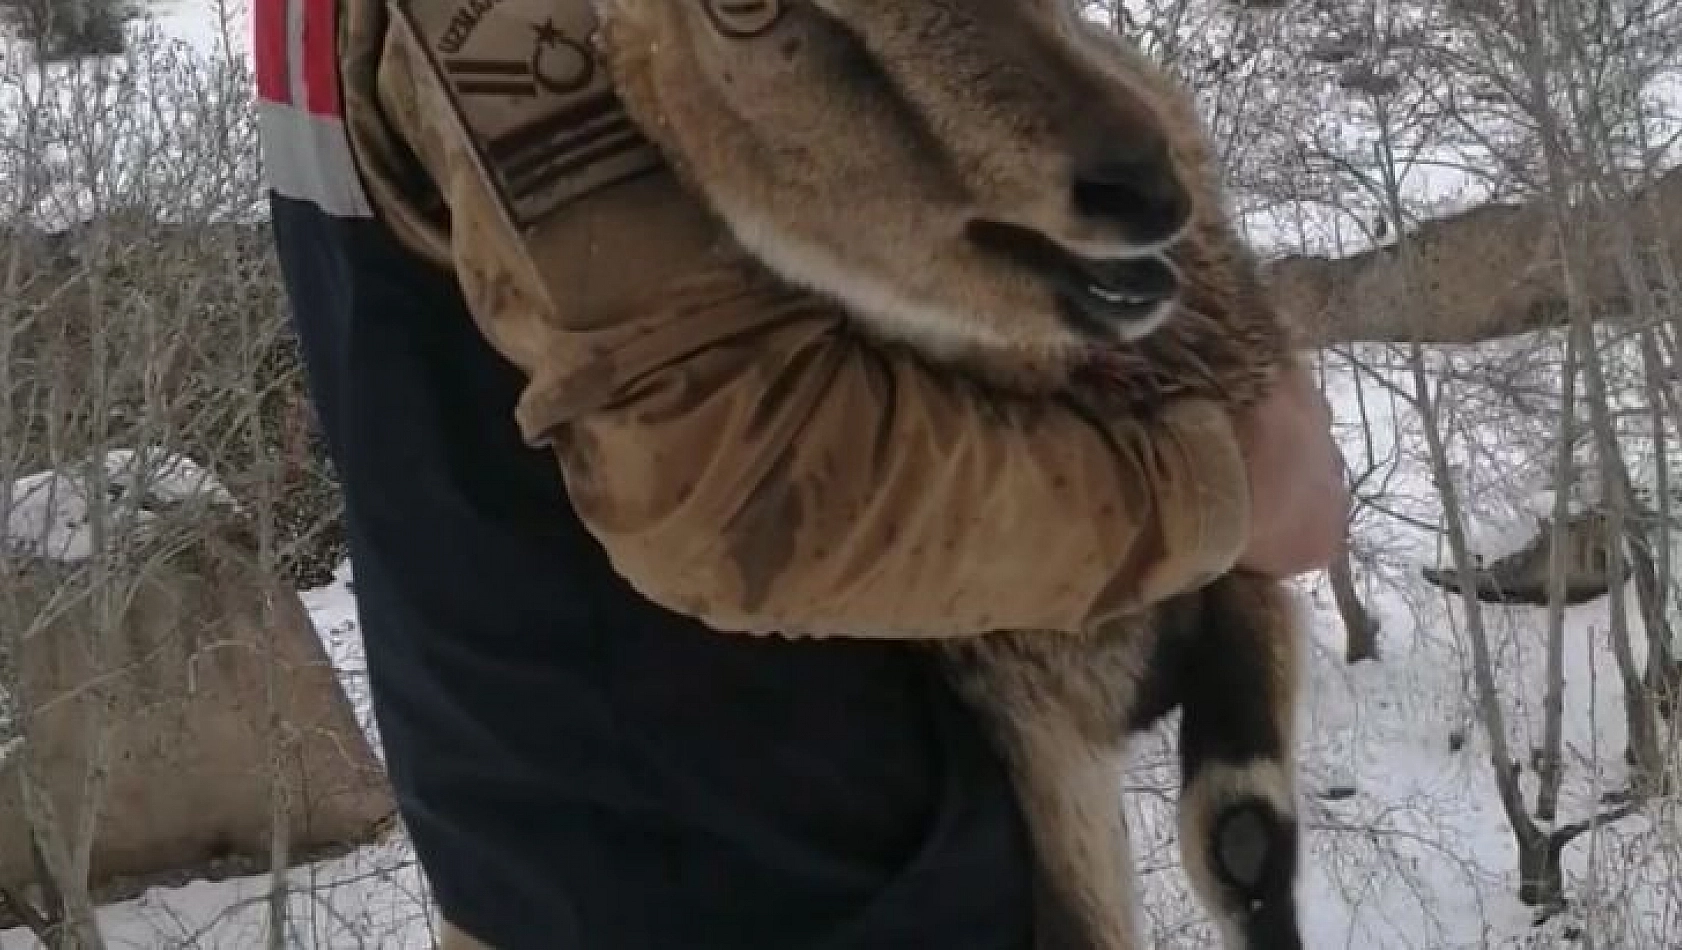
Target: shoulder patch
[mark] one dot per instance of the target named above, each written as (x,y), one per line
(523,78)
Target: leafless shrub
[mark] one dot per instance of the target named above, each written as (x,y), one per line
(150,391)
(1379,119)
(61,30)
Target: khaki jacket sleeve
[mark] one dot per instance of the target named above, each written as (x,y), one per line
(745,458)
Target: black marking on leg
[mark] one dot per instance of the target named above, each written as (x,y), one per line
(1242,842)
(1230,697)
(1253,852)
(1273,926)
(1234,710)
(1162,689)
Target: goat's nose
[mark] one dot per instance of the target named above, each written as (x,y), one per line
(1135,189)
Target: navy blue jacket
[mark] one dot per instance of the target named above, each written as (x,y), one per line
(576,766)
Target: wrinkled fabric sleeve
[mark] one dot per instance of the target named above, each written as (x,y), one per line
(745,458)
(795,478)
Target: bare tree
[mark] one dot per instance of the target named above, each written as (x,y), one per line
(1540,42)
(62,30)
(150,397)
(1435,85)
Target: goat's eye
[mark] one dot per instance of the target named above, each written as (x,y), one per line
(742,19)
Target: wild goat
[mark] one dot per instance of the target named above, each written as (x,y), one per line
(1015,192)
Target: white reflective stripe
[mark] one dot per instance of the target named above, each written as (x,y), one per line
(308,158)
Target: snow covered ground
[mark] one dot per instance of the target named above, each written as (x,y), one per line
(1418,856)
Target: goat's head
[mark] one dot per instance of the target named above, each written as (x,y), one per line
(999,172)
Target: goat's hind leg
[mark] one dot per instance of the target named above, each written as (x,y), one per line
(1238,816)
(1053,701)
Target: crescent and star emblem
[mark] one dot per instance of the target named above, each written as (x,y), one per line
(559,63)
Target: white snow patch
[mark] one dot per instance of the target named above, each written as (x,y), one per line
(51,514)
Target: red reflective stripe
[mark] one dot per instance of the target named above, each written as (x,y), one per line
(269,50)
(321,66)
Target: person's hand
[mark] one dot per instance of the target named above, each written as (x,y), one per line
(1299,504)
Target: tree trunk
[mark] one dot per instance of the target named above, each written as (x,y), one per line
(77,923)
(1644,750)
(1541,880)
(49,920)
(1651,571)
(1502,765)
(1534,886)
(1359,625)
(1645,753)
(1660,676)
(1549,767)
(1651,568)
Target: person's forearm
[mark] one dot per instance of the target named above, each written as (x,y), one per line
(801,481)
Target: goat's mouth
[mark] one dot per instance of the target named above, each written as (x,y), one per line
(1104,298)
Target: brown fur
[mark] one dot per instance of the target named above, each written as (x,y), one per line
(853,145)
